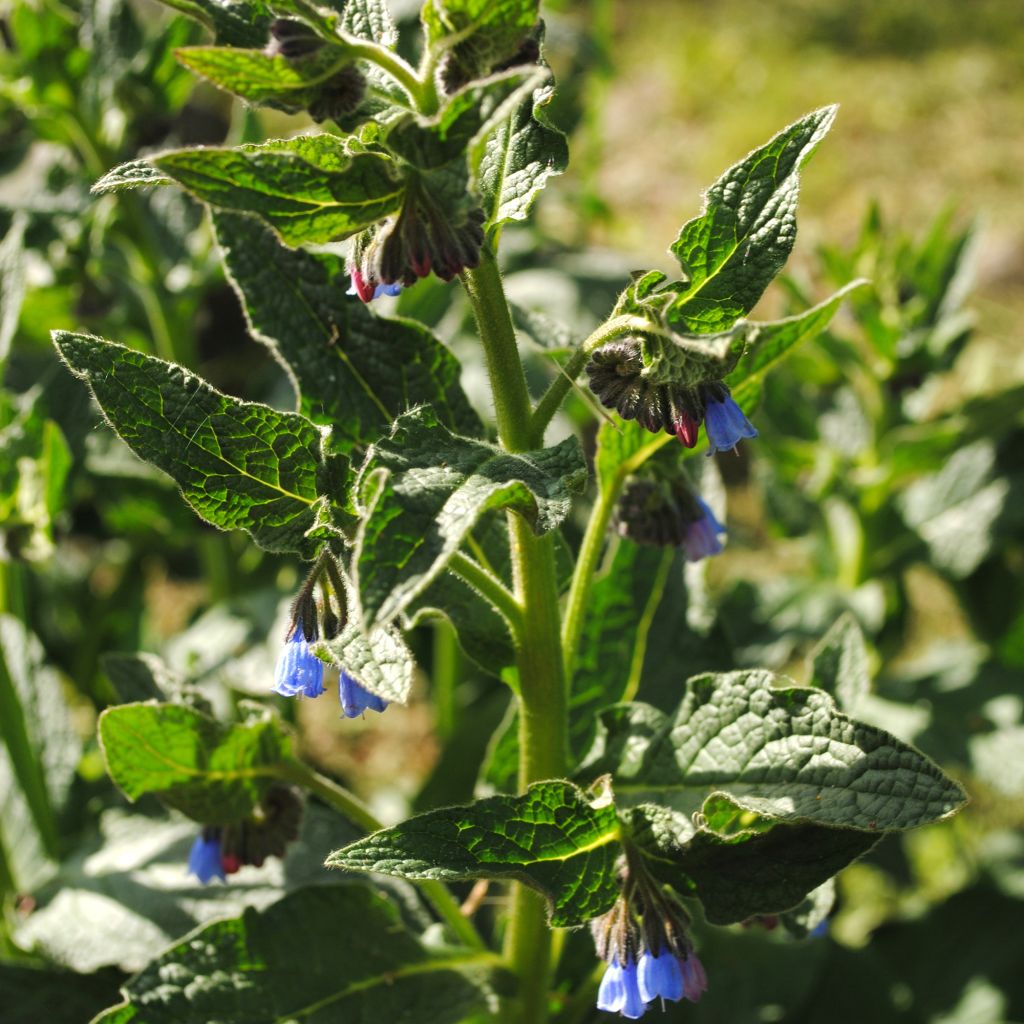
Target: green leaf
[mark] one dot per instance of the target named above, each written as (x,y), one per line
(519,157)
(839,664)
(380,662)
(783,752)
(235,22)
(745,233)
(552,838)
(752,872)
(351,369)
(260,77)
(309,189)
(488,31)
(33,470)
(955,511)
(811,911)
(28,994)
(468,114)
(12,281)
(423,489)
(769,342)
(133,174)
(36,728)
(212,772)
(618,442)
(240,465)
(370,19)
(299,960)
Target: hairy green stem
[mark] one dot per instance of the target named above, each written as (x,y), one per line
(350,807)
(397,68)
(543,706)
(481,579)
(552,399)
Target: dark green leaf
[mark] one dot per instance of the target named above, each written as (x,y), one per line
(519,157)
(751,872)
(320,955)
(552,838)
(240,465)
(214,773)
(744,235)
(423,489)
(29,994)
(352,370)
(811,911)
(235,22)
(783,752)
(489,31)
(769,342)
(839,664)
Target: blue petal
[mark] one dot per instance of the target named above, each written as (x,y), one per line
(726,425)
(387,289)
(702,534)
(204,859)
(633,1006)
(299,670)
(611,996)
(660,976)
(355,699)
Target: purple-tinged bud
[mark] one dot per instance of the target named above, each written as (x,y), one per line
(366,290)
(687,429)
(695,980)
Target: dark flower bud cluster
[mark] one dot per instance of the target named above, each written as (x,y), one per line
(425,235)
(668,513)
(644,941)
(616,373)
(470,59)
(339,94)
(299,671)
(221,850)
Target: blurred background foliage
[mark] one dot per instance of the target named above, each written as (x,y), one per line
(886,484)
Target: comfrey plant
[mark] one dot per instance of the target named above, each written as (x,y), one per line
(741,802)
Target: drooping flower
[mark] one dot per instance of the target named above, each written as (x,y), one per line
(355,699)
(695,980)
(660,976)
(370,290)
(299,670)
(204,859)
(702,533)
(724,421)
(620,990)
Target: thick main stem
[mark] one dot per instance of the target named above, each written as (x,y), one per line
(543,707)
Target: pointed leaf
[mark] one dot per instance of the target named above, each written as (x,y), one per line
(488,31)
(780,751)
(240,465)
(321,954)
(839,664)
(519,157)
(423,489)
(212,772)
(552,838)
(380,662)
(351,369)
(746,230)
(235,22)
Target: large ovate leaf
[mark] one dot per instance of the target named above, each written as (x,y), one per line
(214,773)
(784,752)
(319,955)
(552,838)
(745,233)
(308,189)
(519,156)
(240,465)
(421,491)
(351,369)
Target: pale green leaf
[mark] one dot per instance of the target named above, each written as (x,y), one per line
(839,664)
(380,662)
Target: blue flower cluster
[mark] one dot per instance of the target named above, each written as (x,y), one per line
(629,989)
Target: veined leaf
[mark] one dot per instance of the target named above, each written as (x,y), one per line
(214,773)
(488,31)
(380,662)
(297,961)
(768,343)
(370,19)
(240,465)
(519,156)
(783,752)
(746,231)
(421,491)
(350,368)
(552,838)
(839,664)
(235,22)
